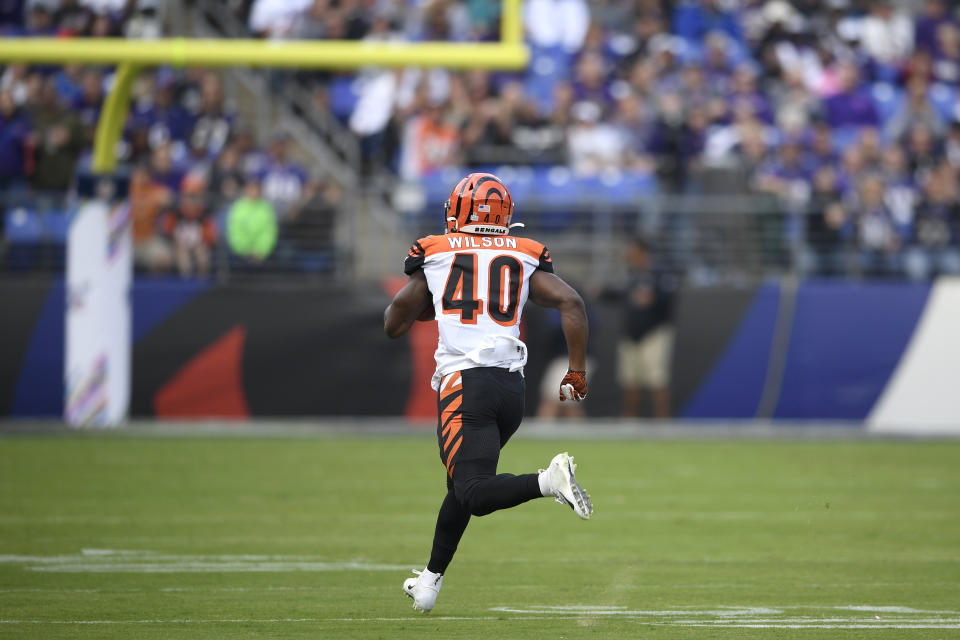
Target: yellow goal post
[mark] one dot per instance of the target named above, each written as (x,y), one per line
(131,56)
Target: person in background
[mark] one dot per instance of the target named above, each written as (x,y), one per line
(879,237)
(14,150)
(311,223)
(283,180)
(853,104)
(252,226)
(226,178)
(887,33)
(190,228)
(935,247)
(151,251)
(88,103)
(60,138)
(646,348)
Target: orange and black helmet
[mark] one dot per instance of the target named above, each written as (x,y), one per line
(480,203)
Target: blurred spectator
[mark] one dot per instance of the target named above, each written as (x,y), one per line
(787,177)
(694,19)
(226,177)
(11,13)
(593,146)
(15,80)
(276,18)
(60,138)
(899,188)
(879,237)
(282,181)
(852,105)
(148,199)
(887,33)
(745,94)
(87,105)
(557,23)
(923,151)
(590,84)
(311,222)
(676,141)
(822,150)
(145,22)
(646,347)
(211,130)
(190,228)
(952,145)
(39,20)
(162,168)
(829,228)
(916,107)
(167,120)
(936,238)
(437,20)
(251,226)
(430,142)
(946,64)
(934,15)
(14,150)
(73,18)
(633,129)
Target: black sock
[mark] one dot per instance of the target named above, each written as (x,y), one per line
(451,523)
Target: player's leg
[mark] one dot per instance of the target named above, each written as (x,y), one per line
(558,479)
(451,523)
(454,516)
(489,414)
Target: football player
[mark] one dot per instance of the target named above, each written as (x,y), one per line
(474,280)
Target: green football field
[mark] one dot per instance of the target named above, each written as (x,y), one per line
(120,536)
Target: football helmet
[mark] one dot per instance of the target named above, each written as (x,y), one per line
(480,203)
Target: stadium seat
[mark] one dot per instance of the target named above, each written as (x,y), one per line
(342,96)
(844,137)
(316,261)
(944,99)
(24,231)
(549,65)
(56,226)
(23,226)
(886,99)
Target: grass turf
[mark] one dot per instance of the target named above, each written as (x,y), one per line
(132,537)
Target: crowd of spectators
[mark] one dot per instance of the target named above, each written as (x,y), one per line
(197,174)
(843,110)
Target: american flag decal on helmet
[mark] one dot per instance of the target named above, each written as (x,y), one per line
(483,208)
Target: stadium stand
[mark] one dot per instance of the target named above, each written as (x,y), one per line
(805,136)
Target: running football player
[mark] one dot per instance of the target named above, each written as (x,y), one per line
(474,280)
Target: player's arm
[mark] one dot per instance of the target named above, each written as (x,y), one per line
(548,290)
(411,301)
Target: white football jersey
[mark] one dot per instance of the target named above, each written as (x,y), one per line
(479,285)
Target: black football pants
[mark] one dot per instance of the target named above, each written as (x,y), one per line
(479,409)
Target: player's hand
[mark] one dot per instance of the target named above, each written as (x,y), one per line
(573,387)
(427,315)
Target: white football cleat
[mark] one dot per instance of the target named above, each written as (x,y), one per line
(423,589)
(564,486)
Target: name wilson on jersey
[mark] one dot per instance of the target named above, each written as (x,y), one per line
(484,242)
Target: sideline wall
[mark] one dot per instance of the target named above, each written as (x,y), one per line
(884,352)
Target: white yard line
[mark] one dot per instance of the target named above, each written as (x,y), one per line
(411,618)
(120,561)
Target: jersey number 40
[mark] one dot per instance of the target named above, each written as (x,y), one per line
(503,294)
